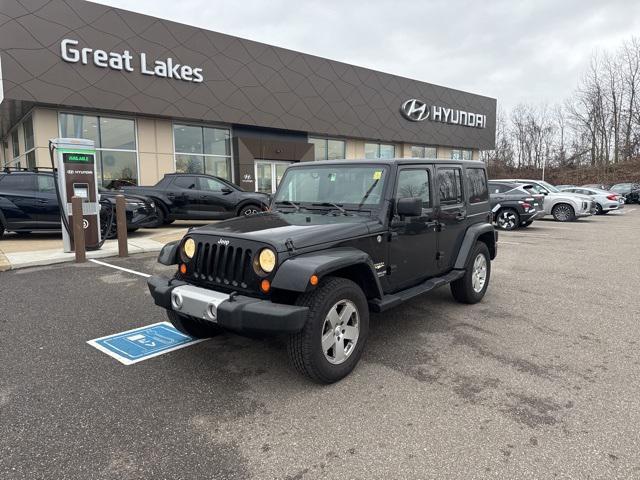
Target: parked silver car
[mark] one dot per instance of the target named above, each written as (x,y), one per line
(604,201)
(563,206)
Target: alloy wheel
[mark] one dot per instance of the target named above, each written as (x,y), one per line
(479,274)
(340,331)
(507,220)
(563,213)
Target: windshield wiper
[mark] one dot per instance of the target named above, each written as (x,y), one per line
(331,204)
(289,202)
(366,195)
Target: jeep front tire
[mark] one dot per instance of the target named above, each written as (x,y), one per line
(332,340)
(473,285)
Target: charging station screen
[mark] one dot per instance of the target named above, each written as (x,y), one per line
(68,157)
(81,190)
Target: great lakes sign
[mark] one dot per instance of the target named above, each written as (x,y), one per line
(123,61)
(418,111)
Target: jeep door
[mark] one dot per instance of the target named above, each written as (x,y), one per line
(412,249)
(451,214)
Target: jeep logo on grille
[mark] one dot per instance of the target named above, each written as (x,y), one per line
(224,242)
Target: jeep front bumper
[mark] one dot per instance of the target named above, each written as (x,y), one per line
(234,312)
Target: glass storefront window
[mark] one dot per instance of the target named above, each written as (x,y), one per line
(460,154)
(335,149)
(117,168)
(379,150)
(420,151)
(202,150)
(117,133)
(116,145)
(27,128)
(15,146)
(328,149)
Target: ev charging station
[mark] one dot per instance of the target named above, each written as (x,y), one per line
(75,159)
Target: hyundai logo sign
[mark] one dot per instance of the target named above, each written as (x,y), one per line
(417,111)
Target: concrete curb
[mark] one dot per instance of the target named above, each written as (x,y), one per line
(40,258)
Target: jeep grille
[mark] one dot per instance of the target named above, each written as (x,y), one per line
(222,264)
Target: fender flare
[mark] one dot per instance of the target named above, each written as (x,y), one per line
(3,220)
(294,273)
(473,233)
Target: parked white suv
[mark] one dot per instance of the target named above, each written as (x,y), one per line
(563,206)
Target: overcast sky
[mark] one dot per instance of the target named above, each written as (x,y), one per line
(513,51)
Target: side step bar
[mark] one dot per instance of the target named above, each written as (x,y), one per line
(394,299)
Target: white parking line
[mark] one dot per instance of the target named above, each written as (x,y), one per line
(105,264)
(502,242)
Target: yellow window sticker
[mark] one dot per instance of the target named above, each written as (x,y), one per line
(377,175)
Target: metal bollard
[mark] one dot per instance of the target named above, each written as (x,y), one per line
(121,224)
(78,230)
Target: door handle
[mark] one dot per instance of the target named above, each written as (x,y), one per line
(42,200)
(461,215)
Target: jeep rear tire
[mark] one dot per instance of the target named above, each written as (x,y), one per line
(563,212)
(192,326)
(473,285)
(335,332)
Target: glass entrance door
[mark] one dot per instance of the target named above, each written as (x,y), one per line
(268,175)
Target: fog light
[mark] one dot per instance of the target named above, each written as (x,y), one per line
(212,312)
(176,301)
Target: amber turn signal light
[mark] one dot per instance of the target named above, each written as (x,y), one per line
(265,286)
(183,269)
(313,280)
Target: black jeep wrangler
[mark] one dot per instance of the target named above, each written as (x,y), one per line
(341,238)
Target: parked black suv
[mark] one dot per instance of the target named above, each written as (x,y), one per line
(190,196)
(28,203)
(342,238)
(514,204)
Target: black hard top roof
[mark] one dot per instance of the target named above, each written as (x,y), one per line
(393,161)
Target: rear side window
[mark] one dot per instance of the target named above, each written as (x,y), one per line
(414,183)
(450,186)
(18,183)
(477,183)
(46,184)
(188,183)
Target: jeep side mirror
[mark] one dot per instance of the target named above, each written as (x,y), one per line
(409,207)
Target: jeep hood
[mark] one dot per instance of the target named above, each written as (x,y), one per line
(302,229)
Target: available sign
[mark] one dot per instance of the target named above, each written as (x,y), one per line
(123,61)
(418,111)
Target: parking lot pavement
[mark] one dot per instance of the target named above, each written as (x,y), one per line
(540,380)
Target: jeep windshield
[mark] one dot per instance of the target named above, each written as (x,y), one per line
(332,187)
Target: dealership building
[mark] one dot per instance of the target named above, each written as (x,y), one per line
(159,97)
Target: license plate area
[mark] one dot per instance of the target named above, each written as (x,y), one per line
(197,302)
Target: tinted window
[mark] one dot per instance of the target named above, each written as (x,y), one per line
(477,182)
(185,182)
(211,184)
(46,184)
(449,186)
(414,183)
(18,183)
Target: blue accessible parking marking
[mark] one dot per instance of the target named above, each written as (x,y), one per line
(142,343)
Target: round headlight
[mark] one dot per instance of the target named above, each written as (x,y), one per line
(189,248)
(267,260)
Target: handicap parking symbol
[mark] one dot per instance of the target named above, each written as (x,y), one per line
(142,343)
